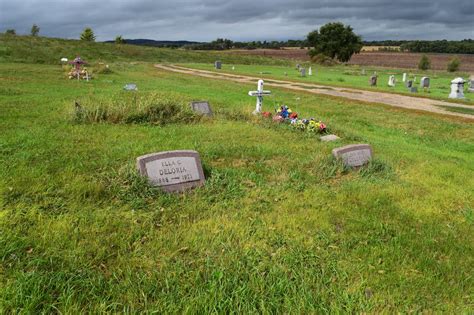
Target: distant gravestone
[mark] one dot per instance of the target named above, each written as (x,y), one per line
(409,84)
(373,80)
(201,107)
(329,138)
(218,65)
(303,72)
(391,81)
(172,171)
(414,89)
(310,71)
(259,93)
(363,71)
(354,155)
(404,77)
(298,67)
(471,85)
(457,88)
(425,83)
(130,87)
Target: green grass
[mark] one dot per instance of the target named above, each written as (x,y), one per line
(279,227)
(351,77)
(43,50)
(462,110)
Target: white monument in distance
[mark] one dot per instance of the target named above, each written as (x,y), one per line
(404,77)
(391,81)
(260,93)
(457,88)
(310,71)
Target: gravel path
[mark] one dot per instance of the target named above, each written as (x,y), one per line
(396,100)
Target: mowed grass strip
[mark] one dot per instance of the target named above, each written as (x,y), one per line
(279,226)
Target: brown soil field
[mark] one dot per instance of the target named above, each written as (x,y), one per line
(379,59)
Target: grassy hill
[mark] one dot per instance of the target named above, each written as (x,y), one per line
(43,50)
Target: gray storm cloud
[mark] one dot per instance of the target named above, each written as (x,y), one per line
(205,20)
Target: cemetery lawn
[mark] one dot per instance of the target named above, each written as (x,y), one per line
(352,77)
(279,227)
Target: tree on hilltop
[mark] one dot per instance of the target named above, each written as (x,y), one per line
(88,35)
(119,40)
(35,30)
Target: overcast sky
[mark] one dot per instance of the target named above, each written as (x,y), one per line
(205,20)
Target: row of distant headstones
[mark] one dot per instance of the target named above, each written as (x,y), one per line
(457,85)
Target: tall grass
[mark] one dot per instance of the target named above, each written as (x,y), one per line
(134,108)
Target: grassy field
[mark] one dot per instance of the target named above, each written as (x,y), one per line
(279,227)
(351,76)
(43,50)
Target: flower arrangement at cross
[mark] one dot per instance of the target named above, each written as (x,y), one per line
(285,115)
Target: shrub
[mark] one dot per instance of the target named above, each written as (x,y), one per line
(454,64)
(425,63)
(134,108)
(10,32)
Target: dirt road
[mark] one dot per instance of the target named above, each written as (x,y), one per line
(396,100)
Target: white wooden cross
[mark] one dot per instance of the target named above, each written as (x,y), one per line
(260,93)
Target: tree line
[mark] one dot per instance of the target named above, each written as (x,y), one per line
(465,46)
(224,44)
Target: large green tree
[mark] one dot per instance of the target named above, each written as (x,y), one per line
(335,40)
(88,35)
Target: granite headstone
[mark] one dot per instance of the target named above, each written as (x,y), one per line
(354,155)
(201,107)
(172,171)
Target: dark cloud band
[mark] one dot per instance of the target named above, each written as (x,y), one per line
(240,19)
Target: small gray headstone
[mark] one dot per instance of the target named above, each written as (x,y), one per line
(303,72)
(201,107)
(425,83)
(130,87)
(414,89)
(172,171)
(373,80)
(354,155)
(218,65)
(471,86)
(409,84)
(329,138)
